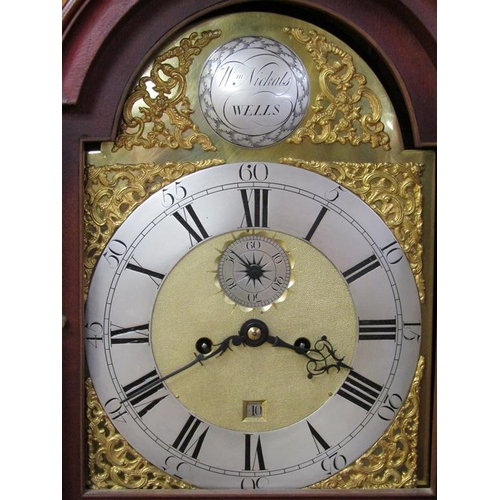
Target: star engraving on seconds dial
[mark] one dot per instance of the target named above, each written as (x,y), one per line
(255,272)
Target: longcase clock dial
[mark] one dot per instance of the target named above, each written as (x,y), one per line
(239,311)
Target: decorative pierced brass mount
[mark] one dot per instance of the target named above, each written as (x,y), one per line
(346,110)
(390,463)
(158,112)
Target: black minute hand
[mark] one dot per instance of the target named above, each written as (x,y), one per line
(321,358)
(219,351)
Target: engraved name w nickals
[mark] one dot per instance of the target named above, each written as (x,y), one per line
(254,91)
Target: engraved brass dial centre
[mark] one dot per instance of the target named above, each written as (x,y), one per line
(258,370)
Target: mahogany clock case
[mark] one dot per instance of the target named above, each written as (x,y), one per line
(104,44)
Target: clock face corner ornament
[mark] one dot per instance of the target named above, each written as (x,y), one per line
(272,394)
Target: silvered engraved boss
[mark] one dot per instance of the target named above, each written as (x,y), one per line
(254,91)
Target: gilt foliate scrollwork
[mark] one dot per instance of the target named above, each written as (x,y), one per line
(393,190)
(345,110)
(157,112)
(113,463)
(113,191)
(390,463)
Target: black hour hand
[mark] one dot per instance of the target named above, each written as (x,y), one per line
(321,359)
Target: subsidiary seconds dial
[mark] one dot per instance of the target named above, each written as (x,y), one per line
(254,271)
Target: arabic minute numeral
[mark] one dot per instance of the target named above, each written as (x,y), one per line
(172,194)
(96,335)
(253,172)
(114,408)
(176,467)
(251,483)
(333,463)
(114,252)
(333,194)
(390,406)
(412,331)
(393,253)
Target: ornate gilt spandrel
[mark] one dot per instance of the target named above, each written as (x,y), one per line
(113,463)
(392,461)
(158,112)
(349,115)
(112,192)
(345,110)
(393,190)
